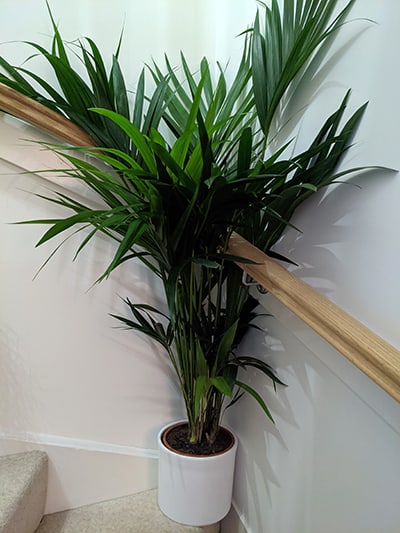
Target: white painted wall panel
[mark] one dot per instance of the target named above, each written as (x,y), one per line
(67,370)
(332,462)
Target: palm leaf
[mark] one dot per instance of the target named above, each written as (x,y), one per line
(284,46)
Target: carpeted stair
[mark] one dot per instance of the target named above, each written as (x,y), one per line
(138,513)
(23,487)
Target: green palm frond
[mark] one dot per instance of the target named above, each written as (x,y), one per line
(284,40)
(180,168)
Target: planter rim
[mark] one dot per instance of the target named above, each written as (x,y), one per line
(168,427)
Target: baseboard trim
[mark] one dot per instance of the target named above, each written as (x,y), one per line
(83,472)
(77,444)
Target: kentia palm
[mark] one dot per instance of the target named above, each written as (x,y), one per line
(173,200)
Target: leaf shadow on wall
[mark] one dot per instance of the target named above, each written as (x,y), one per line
(273,461)
(327,229)
(307,87)
(147,380)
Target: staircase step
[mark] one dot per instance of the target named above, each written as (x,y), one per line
(23,488)
(138,513)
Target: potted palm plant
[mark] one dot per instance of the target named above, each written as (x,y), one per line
(182,168)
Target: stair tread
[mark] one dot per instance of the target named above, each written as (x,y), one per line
(137,513)
(22,490)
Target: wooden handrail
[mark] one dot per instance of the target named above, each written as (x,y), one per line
(375,357)
(23,107)
(371,354)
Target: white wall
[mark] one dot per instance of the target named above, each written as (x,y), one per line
(68,379)
(331,463)
(150,29)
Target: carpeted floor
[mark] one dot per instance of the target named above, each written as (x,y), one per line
(138,513)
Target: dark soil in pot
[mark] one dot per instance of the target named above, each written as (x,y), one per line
(176,438)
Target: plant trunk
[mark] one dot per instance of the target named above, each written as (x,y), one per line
(213,415)
(206,426)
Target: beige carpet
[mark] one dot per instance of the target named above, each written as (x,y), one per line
(138,513)
(23,486)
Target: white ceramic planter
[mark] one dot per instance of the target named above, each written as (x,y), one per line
(195,490)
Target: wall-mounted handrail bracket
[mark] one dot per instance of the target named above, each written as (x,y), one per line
(248,281)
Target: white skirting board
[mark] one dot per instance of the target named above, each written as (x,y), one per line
(85,472)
